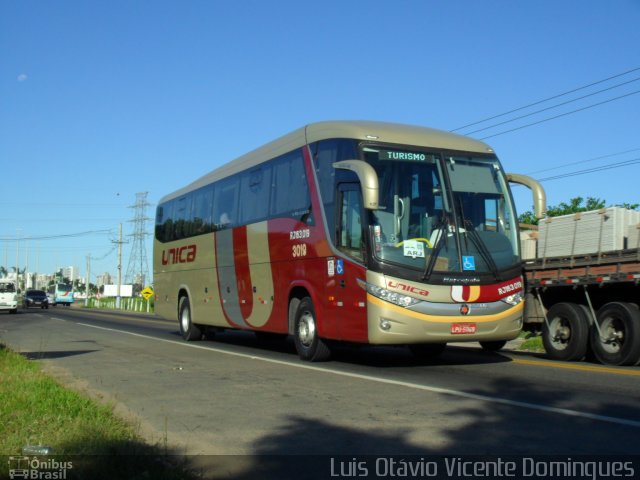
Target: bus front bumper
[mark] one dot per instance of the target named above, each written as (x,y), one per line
(393,325)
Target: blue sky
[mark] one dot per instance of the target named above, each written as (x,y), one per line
(100,100)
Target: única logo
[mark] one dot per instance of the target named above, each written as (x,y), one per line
(186,254)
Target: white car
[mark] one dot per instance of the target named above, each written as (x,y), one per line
(9,296)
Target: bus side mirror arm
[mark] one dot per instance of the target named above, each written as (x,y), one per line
(368,180)
(539,196)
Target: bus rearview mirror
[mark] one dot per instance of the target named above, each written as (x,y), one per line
(368,180)
(539,196)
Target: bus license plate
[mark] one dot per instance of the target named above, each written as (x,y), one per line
(463,328)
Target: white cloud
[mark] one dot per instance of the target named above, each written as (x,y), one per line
(22,77)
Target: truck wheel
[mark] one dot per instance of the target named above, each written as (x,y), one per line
(565,334)
(618,342)
(305,334)
(188,329)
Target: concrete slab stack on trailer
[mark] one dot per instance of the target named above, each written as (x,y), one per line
(633,232)
(582,233)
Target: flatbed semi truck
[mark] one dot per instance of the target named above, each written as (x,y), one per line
(585,296)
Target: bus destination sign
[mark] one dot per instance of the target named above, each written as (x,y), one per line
(404,156)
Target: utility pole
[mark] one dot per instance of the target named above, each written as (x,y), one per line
(86,288)
(119,242)
(17,258)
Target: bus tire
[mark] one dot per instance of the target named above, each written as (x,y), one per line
(565,334)
(619,344)
(188,329)
(308,344)
(493,346)
(427,351)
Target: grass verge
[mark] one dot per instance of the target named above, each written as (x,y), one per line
(36,410)
(532,342)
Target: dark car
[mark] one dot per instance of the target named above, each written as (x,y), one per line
(36,298)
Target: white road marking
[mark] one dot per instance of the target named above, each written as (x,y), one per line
(415,386)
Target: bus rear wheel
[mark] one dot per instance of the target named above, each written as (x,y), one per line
(309,345)
(188,329)
(618,340)
(565,333)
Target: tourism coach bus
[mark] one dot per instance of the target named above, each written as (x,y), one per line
(361,232)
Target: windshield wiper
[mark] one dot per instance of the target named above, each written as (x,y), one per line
(443,226)
(471,232)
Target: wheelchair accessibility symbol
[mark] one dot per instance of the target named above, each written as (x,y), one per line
(468,262)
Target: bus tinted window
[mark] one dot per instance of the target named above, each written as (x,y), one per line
(225,203)
(290,196)
(325,154)
(181,216)
(255,187)
(164,222)
(201,211)
(277,188)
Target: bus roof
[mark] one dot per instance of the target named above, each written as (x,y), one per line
(358,130)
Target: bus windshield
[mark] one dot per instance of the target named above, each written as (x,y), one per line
(442,213)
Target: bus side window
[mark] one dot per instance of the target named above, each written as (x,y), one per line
(201,211)
(181,216)
(254,190)
(167,225)
(225,203)
(290,191)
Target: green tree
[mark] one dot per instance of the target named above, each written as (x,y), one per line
(78,286)
(575,205)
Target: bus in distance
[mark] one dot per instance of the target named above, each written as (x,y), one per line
(354,231)
(62,293)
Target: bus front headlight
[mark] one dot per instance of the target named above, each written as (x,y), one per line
(514,299)
(387,295)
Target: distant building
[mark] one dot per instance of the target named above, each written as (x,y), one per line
(71,273)
(104,279)
(42,281)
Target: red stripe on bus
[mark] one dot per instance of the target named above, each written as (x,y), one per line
(243,273)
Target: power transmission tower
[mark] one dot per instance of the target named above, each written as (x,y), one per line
(138,269)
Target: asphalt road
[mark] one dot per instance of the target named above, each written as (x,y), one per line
(242,395)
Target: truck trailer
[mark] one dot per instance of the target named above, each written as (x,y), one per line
(582,275)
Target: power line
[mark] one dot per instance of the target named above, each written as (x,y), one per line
(551,107)
(583,161)
(55,237)
(610,166)
(546,99)
(559,116)
(97,259)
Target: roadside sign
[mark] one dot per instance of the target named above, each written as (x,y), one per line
(147,293)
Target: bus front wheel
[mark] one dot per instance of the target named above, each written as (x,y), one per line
(309,345)
(188,329)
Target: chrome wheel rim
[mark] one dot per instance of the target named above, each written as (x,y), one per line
(306,329)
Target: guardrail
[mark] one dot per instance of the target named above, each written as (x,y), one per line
(129,304)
